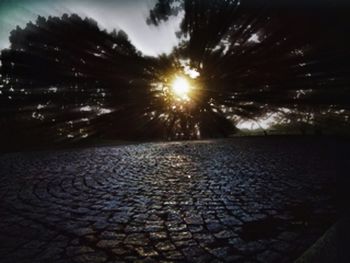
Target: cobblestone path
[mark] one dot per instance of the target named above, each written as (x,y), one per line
(238,200)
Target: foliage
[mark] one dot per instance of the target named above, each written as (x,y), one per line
(65,78)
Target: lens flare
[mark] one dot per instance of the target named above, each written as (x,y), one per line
(181,88)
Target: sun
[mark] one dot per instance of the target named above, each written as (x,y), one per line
(181,88)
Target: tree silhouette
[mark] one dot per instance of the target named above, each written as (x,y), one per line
(66,74)
(65,78)
(260,56)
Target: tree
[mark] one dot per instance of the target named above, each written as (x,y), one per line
(64,74)
(65,78)
(256,56)
(69,78)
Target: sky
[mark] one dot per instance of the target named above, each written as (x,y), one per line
(264,122)
(129,15)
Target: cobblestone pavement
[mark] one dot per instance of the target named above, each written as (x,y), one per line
(238,200)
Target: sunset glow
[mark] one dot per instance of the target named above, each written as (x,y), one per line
(181,88)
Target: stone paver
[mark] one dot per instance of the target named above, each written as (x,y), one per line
(239,200)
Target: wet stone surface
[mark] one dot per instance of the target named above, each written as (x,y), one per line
(238,200)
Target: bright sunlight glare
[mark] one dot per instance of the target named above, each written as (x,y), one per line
(181,88)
